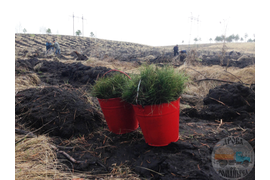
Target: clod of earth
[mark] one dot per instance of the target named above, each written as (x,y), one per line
(228,102)
(58,73)
(59,111)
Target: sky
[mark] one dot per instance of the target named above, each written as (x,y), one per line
(154,23)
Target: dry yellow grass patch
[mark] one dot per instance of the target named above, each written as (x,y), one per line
(34,159)
(246,47)
(233,74)
(111,63)
(242,47)
(26,81)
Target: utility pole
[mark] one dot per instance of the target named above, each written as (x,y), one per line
(198,29)
(73,23)
(82,25)
(196,19)
(191,18)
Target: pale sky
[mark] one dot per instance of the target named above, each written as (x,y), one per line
(155,23)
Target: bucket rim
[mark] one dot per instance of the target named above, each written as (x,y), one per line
(140,106)
(110,99)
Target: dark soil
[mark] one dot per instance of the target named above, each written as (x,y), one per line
(63,111)
(54,73)
(59,111)
(228,102)
(242,63)
(206,61)
(188,158)
(79,56)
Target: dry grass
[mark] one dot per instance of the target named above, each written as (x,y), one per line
(111,63)
(241,47)
(246,75)
(26,81)
(246,47)
(34,159)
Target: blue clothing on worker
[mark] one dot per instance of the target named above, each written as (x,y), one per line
(49,45)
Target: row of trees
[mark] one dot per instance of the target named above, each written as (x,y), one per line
(78,33)
(232,38)
(48,31)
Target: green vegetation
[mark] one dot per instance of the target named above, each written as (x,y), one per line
(230,38)
(156,86)
(78,33)
(48,31)
(110,87)
(92,34)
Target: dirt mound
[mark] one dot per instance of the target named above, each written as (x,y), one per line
(60,111)
(228,102)
(53,72)
(78,56)
(241,63)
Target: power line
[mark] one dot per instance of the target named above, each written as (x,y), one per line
(82,23)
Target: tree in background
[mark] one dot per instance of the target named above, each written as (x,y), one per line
(218,39)
(24,30)
(195,40)
(182,41)
(210,40)
(236,38)
(48,31)
(230,38)
(241,39)
(92,34)
(78,33)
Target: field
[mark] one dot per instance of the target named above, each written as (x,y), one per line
(60,129)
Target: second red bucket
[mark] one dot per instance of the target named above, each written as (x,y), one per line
(119,115)
(159,123)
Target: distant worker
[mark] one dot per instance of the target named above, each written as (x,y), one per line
(57,47)
(175,49)
(48,47)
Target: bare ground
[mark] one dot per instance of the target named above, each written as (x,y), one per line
(46,89)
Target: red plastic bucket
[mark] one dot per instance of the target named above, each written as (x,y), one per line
(119,115)
(159,123)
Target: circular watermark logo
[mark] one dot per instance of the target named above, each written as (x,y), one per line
(233,158)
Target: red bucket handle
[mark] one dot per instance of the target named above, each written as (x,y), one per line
(116,70)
